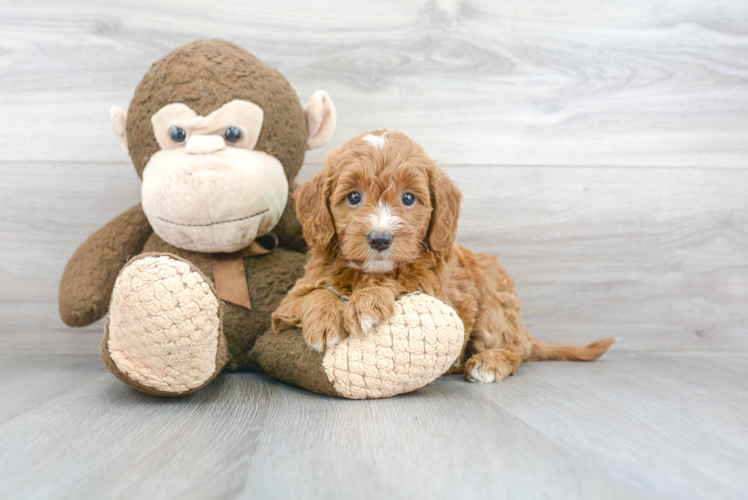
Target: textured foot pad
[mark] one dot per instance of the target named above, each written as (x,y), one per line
(164,325)
(421,340)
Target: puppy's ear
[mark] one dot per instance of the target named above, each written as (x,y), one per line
(312,211)
(445,202)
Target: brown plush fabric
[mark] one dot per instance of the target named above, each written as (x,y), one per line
(288,228)
(205,75)
(287,357)
(269,277)
(88,280)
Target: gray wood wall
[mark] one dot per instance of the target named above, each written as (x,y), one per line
(602,147)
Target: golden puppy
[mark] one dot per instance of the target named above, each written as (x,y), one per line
(381,219)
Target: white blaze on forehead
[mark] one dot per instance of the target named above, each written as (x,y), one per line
(383,220)
(378,141)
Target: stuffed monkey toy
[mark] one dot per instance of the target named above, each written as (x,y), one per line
(191,275)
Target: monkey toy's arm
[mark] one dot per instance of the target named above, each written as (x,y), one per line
(288,228)
(89,276)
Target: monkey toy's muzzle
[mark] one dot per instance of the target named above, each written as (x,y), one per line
(209,199)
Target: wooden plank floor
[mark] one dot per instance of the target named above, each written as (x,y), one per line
(632,425)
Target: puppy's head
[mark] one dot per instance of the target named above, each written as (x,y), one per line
(379,203)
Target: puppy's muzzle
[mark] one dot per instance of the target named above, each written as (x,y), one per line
(379,240)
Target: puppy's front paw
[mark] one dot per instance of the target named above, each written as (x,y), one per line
(323,327)
(366,309)
(284,318)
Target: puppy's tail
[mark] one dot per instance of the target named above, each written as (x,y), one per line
(542,351)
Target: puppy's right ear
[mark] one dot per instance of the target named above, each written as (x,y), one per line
(313,212)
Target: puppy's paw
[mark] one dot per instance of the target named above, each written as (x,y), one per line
(366,323)
(490,366)
(284,318)
(366,309)
(323,327)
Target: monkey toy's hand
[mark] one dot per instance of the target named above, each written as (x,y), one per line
(368,308)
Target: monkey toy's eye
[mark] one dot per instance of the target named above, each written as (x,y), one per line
(177,134)
(232,134)
(409,199)
(353,199)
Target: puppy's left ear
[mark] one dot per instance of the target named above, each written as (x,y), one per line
(320,119)
(445,202)
(312,211)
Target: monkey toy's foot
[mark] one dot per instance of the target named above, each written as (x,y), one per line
(164,334)
(420,341)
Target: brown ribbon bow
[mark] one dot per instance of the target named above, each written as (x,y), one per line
(229,274)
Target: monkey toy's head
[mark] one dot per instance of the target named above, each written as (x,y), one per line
(217,137)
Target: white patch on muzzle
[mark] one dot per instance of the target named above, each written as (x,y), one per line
(377,266)
(383,220)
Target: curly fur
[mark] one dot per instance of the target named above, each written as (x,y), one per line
(382,166)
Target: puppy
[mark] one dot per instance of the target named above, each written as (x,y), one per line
(381,219)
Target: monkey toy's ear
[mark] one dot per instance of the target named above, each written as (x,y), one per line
(119,123)
(320,119)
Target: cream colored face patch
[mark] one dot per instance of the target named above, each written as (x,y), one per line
(207,190)
(244,115)
(218,202)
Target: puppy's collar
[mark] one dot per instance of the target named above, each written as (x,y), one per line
(342,296)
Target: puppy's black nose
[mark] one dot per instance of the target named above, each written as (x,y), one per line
(379,241)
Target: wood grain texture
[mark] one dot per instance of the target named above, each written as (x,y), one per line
(627,426)
(602,151)
(553,116)
(648,82)
(654,256)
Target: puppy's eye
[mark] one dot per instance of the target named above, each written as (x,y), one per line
(409,199)
(232,134)
(353,198)
(177,134)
